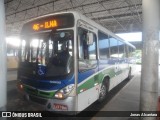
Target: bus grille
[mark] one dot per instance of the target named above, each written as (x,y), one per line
(38,100)
(38,92)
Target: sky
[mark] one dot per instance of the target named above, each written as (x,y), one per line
(137,36)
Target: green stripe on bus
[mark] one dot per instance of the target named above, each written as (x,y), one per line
(39,93)
(98,78)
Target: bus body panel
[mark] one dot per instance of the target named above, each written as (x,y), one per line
(45,88)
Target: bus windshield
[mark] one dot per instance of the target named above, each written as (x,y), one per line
(52,50)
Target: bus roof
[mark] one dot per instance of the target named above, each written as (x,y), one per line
(103,29)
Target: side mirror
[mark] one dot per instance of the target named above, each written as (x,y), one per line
(90,38)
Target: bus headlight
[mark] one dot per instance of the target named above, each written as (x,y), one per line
(64,92)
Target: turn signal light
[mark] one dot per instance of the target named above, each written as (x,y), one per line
(20,87)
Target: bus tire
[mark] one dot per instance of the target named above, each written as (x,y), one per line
(129,74)
(103,91)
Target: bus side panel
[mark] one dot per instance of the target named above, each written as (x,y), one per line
(116,72)
(87,98)
(125,68)
(88,91)
(119,75)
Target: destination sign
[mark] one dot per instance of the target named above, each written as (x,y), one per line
(50,22)
(45,25)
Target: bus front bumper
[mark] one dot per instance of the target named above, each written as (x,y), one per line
(65,106)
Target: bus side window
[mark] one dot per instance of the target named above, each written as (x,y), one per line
(113,48)
(121,50)
(103,45)
(82,40)
(87,52)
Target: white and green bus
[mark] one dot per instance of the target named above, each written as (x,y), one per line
(67,61)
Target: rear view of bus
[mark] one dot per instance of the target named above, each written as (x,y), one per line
(46,67)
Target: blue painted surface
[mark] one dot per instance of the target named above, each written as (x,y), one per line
(49,84)
(41,70)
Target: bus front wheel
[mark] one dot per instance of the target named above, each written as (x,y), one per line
(103,91)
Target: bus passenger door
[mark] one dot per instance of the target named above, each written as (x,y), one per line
(87,92)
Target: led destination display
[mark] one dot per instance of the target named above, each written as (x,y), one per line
(49,23)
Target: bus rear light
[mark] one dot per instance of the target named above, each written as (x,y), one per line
(60,106)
